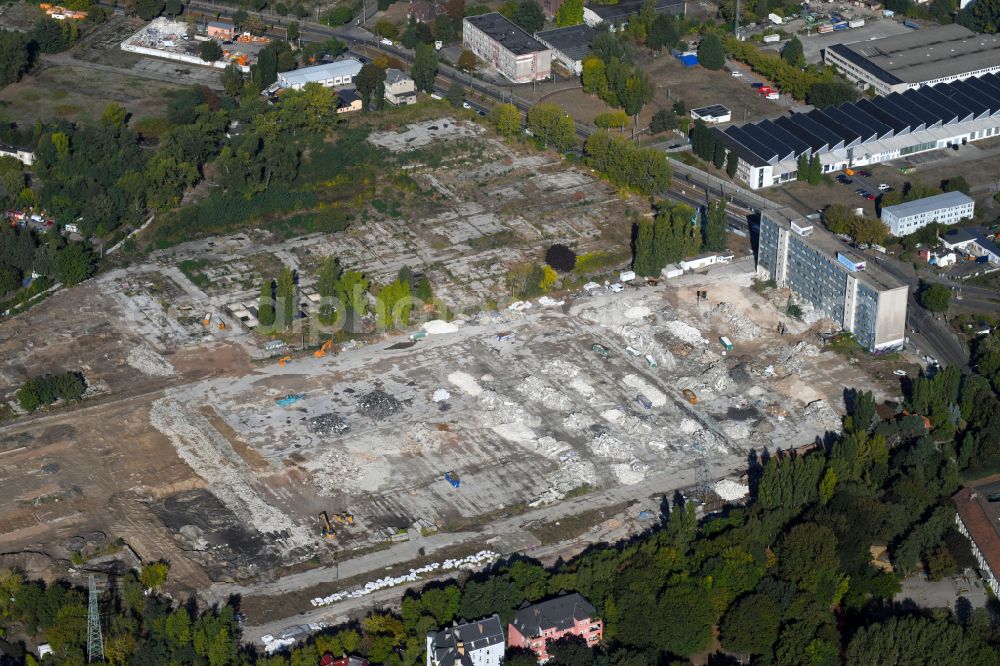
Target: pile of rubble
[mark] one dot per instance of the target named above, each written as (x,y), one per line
(328,424)
(148,362)
(684,332)
(378,405)
(737,325)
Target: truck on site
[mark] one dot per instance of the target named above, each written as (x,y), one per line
(690,396)
(644,401)
(727,343)
(453,478)
(601,349)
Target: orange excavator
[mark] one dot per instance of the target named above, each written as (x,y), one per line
(321,352)
(326,529)
(283,360)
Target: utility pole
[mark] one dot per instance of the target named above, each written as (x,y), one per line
(95,643)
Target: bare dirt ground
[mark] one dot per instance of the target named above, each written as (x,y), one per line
(183,452)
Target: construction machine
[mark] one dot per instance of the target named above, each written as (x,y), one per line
(321,352)
(326,529)
(690,396)
(283,360)
(222,325)
(343,518)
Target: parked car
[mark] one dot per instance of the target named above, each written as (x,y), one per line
(884,187)
(899,373)
(616,287)
(737,74)
(870,197)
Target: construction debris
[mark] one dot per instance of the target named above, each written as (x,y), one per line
(328,424)
(730,490)
(378,405)
(148,362)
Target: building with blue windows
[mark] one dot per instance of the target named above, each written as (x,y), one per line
(829,274)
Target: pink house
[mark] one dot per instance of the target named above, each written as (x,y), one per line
(535,626)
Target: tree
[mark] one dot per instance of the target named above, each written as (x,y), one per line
(751,625)
(807,554)
(425,67)
(232,79)
(210,51)
(285,300)
(831,93)
(467,61)
(662,121)
(570,12)
(710,53)
(529,16)
(569,651)
(173,7)
(793,53)
(663,33)
(153,575)
(715,226)
(147,10)
(561,258)
(732,164)
(386,29)
(265,306)
(394,304)
(917,640)
(644,261)
(455,9)
(73,264)
(617,119)
(255,25)
(444,29)
(956,184)
(293,31)
(593,76)
(456,95)
(719,155)
(326,286)
(552,126)
(369,81)
(15,58)
(507,119)
(933,296)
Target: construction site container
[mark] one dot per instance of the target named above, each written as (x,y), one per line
(601,349)
(626,276)
(825,28)
(856,23)
(505,336)
(912,25)
(774,18)
(633,351)
(419,335)
(771,39)
(651,361)
(644,401)
(727,343)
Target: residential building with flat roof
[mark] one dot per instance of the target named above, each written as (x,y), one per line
(516,55)
(869,131)
(979,520)
(823,270)
(537,625)
(713,114)
(328,75)
(947,208)
(617,15)
(924,57)
(470,644)
(569,45)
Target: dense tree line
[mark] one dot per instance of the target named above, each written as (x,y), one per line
(812,83)
(18,50)
(673,234)
(551,126)
(841,219)
(44,390)
(609,73)
(644,170)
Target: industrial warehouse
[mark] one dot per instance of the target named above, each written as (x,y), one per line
(916,59)
(866,132)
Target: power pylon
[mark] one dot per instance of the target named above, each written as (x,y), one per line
(95,643)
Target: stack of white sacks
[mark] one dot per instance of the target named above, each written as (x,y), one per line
(471,562)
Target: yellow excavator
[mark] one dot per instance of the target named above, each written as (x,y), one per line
(283,360)
(326,529)
(343,518)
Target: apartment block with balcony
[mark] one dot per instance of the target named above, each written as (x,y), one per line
(834,278)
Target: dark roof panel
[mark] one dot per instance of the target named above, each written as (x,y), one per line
(848,135)
(941,114)
(816,143)
(766,154)
(786,137)
(762,136)
(899,125)
(926,115)
(819,129)
(888,105)
(961,111)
